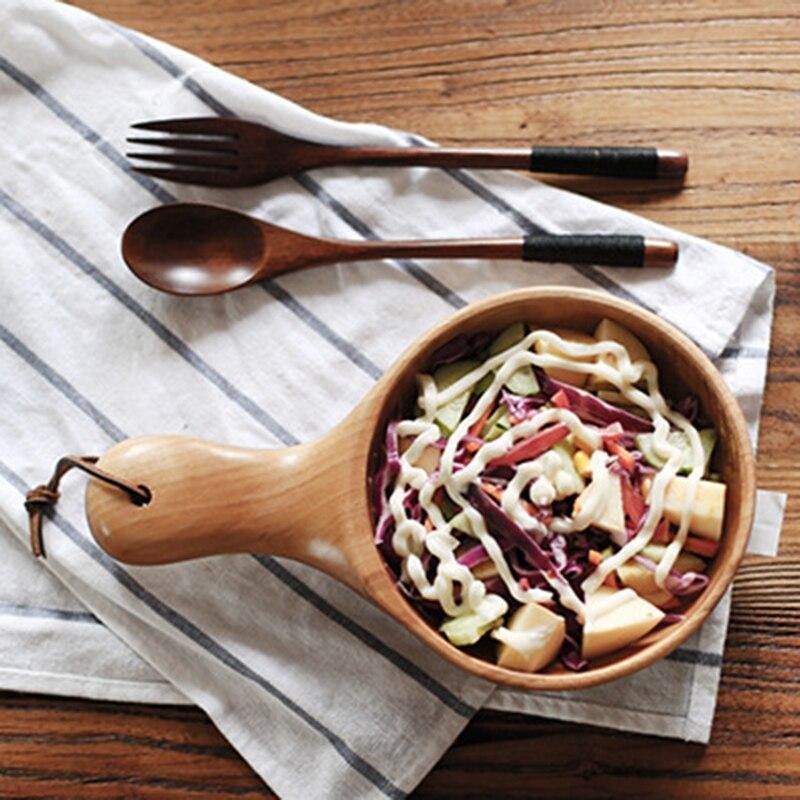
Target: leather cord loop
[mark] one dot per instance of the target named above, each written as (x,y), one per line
(45,496)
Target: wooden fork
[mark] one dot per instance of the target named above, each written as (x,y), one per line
(217,151)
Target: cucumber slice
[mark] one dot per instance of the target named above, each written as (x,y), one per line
(468,629)
(508,338)
(497,424)
(449,508)
(523,381)
(708,438)
(484,383)
(461,523)
(449,415)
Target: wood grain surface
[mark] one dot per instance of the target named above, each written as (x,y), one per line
(719,78)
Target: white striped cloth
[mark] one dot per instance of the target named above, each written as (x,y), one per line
(294,669)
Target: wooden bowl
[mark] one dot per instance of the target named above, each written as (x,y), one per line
(311,502)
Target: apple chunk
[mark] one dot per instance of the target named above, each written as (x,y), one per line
(428,459)
(563,373)
(533,637)
(610,331)
(609,627)
(612,518)
(708,509)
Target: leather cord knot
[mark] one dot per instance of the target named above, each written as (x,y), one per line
(42,498)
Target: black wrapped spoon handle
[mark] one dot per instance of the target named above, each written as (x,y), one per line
(609,250)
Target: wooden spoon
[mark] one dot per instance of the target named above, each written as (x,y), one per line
(194,249)
(311,502)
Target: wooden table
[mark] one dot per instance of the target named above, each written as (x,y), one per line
(720,78)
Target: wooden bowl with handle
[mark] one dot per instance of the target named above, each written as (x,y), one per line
(311,502)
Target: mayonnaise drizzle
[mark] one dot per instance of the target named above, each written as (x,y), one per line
(411,539)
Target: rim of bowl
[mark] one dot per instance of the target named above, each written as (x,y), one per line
(641,655)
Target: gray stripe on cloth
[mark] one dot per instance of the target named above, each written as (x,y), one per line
(315,323)
(362,634)
(697,657)
(80,127)
(171,68)
(158,328)
(41,612)
(736,352)
(364,230)
(62,384)
(212,647)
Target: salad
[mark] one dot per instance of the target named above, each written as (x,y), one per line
(543,500)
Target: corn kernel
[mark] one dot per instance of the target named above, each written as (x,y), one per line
(581,461)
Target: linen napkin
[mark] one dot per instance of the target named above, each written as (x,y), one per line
(292,667)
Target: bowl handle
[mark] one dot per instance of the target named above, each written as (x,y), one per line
(208,499)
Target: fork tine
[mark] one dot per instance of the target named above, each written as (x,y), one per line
(179,143)
(212,126)
(211,160)
(198,177)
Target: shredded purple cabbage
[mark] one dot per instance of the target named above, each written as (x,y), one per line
(521,407)
(642,469)
(383,479)
(460,347)
(570,655)
(558,551)
(688,406)
(681,584)
(497,585)
(592,409)
(685,583)
(522,569)
(412,505)
(474,556)
(509,531)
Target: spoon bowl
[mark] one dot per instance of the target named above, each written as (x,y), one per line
(196,249)
(312,502)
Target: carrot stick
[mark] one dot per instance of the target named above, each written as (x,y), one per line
(661,535)
(534,446)
(626,460)
(493,491)
(595,557)
(611,580)
(479,424)
(701,547)
(560,399)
